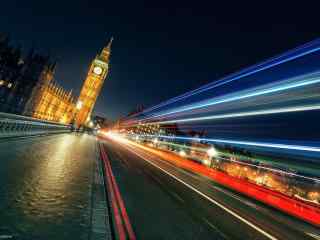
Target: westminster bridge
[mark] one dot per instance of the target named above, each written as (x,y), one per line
(59,184)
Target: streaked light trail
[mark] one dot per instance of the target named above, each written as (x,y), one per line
(299,52)
(247,143)
(243,114)
(262,127)
(255,92)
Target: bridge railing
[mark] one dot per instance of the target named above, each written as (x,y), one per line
(12,125)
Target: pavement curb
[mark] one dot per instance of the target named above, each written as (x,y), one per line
(101,225)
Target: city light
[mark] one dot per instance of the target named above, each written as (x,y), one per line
(206,162)
(242,151)
(262,189)
(212,152)
(182,153)
(79,105)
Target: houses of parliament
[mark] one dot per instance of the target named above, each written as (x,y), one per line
(27,86)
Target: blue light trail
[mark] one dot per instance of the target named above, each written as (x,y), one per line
(261,113)
(282,86)
(247,143)
(293,54)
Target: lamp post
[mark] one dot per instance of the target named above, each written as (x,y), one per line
(79,105)
(78,108)
(155,142)
(182,153)
(91,124)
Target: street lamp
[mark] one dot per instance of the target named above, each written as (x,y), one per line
(75,115)
(182,153)
(79,105)
(212,152)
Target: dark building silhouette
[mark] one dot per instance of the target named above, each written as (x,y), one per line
(18,75)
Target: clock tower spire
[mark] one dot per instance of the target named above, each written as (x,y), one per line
(91,88)
(106,51)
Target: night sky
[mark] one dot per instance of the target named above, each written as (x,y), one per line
(160,49)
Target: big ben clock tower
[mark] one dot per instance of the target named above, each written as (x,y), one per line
(92,85)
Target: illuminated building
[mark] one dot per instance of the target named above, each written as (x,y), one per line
(92,85)
(55,104)
(27,86)
(49,101)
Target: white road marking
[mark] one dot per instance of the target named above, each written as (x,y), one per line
(215,228)
(315,236)
(177,197)
(210,199)
(6,236)
(235,196)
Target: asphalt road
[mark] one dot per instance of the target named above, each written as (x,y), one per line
(45,185)
(166,202)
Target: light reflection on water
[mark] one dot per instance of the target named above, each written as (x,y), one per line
(47,187)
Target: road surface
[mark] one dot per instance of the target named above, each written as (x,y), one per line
(45,187)
(166,202)
(46,193)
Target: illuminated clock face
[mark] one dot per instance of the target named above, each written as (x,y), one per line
(97,70)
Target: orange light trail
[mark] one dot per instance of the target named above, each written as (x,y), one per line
(280,201)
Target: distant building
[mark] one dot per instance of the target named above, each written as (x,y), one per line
(27,86)
(12,78)
(139,109)
(49,101)
(102,122)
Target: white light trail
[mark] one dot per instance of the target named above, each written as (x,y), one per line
(277,60)
(255,92)
(212,152)
(252,225)
(244,114)
(247,143)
